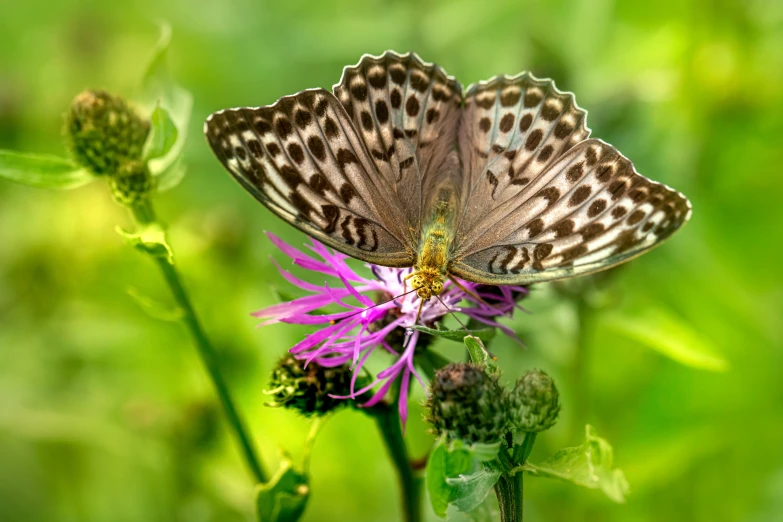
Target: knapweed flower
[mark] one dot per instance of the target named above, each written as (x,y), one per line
(467,403)
(365,325)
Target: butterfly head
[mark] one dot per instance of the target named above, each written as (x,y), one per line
(427,283)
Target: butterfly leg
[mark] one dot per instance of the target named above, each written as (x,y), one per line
(418,314)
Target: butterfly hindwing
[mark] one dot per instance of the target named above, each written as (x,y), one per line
(406,111)
(302,158)
(590,210)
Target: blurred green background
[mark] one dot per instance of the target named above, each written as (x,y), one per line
(106,413)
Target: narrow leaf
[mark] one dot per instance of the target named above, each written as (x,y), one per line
(284,498)
(478,354)
(43,171)
(670,336)
(485,334)
(162,136)
(588,465)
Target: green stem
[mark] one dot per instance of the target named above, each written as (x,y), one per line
(410,483)
(581,361)
(509,492)
(144,215)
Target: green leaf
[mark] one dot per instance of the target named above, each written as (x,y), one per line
(588,465)
(478,354)
(472,489)
(455,476)
(150,239)
(284,497)
(485,334)
(670,336)
(41,170)
(162,136)
(158,89)
(171,176)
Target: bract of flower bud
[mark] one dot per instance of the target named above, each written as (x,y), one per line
(132,183)
(103,131)
(309,389)
(534,402)
(467,403)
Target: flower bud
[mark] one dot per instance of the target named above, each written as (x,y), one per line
(308,389)
(132,183)
(103,132)
(534,402)
(467,403)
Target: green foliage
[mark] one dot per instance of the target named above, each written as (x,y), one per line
(150,239)
(691,92)
(42,171)
(588,465)
(170,105)
(457,476)
(478,354)
(284,497)
(665,333)
(163,135)
(483,334)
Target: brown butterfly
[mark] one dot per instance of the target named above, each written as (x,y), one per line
(497,185)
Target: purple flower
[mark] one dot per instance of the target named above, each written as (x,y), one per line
(352,335)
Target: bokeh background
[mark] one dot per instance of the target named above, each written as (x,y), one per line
(106,413)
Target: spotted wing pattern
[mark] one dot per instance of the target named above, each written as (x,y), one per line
(304,160)
(406,112)
(511,131)
(588,211)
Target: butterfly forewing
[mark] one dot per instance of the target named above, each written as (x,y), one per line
(406,111)
(303,159)
(590,210)
(511,130)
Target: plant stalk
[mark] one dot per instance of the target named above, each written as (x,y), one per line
(509,493)
(145,215)
(410,482)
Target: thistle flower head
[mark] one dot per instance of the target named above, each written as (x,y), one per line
(534,402)
(467,403)
(103,131)
(309,389)
(131,183)
(364,326)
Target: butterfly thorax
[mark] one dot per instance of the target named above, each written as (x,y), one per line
(432,259)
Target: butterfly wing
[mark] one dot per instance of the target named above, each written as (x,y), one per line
(575,209)
(406,111)
(511,130)
(304,160)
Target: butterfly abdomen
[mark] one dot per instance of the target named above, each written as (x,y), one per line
(432,259)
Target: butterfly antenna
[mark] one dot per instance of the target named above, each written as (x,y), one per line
(452,313)
(375,305)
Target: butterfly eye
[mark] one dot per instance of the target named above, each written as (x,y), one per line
(437,287)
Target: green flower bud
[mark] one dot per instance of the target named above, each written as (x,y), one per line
(308,389)
(103,132)
(534,402)
(132,183)
(467,403)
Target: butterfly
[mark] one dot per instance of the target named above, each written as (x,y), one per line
(499,184)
